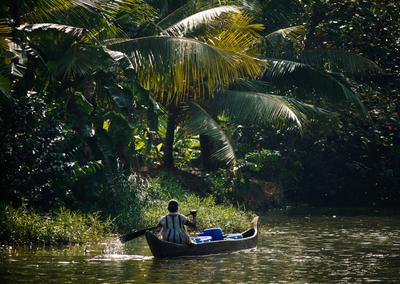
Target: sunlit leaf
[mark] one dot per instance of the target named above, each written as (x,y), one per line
(292,34)
(106,124)
(140,145)
(174,68)
(256,108)
(5,33)
(194,6)
(69,30)
(192,22)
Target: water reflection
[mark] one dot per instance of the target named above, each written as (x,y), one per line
(299,249)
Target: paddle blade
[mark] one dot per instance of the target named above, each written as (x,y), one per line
(135,234)
(132,235)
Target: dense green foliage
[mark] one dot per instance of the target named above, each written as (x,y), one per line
(345,160)
(354,161)
(269,101)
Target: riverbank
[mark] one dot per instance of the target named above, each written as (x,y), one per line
(298,249)
(141,203)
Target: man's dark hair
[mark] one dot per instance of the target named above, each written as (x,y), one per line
(173,206)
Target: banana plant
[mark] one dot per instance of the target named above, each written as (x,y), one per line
(55,47)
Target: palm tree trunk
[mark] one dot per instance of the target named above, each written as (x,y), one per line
(169,138)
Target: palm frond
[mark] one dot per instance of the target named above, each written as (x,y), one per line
(93,15)
(174,68)
(202,123)
(189,8)
(243,22)
(44,10)
(68,30)
(340,60)
(236,33)
(311,111)
(5,33)
(192,22)
(291,34)
(257,86)
(5,85)
(140,9)
(256,108)
(290,73)
(195,6)
(240,42)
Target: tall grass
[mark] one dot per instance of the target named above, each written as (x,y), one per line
(160,190)
(21,226)
(229,218)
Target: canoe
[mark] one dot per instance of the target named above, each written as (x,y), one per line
(162,249)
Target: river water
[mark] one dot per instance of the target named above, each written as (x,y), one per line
(323,248)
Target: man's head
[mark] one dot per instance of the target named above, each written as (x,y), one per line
(173,206)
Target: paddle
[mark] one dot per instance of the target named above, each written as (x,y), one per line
(135,234)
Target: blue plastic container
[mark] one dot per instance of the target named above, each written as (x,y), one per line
(202,239)
(215,233)
(233,237)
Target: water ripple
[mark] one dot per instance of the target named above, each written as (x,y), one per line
(297,249)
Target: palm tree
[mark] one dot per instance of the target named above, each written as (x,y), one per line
(182,42)
(178,69)
(197,58)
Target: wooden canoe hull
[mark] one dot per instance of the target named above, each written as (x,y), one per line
(162,249)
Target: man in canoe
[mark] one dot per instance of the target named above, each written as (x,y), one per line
(173,225)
